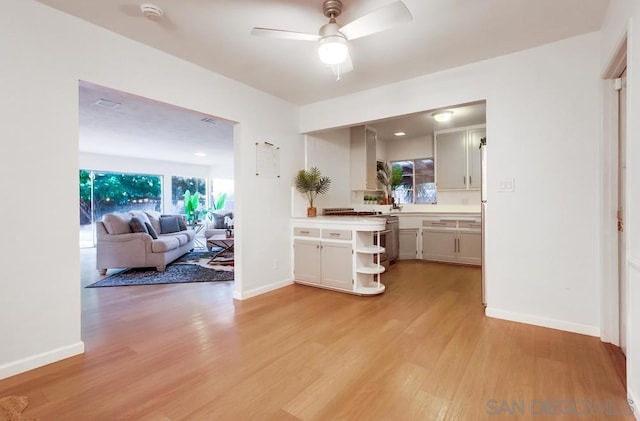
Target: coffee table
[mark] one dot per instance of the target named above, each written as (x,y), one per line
(223,242)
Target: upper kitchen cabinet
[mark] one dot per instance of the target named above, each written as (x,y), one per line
(363,158)
(457,158)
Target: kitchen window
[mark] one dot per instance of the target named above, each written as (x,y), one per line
(418,182)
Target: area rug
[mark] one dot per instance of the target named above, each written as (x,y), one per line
(192,267)
(11,408)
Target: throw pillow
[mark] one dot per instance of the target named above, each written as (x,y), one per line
(117,223)
(152,231)
(169,224)
(218,221)
(182,223)
(137,225)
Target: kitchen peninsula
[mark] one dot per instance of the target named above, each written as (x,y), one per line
(338,253)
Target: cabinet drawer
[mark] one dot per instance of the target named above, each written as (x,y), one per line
(336,234)
(306,232)
(439,224)
(470,225)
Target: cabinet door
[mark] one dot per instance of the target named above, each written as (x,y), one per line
(451,161)
(364,173)
(306,265)
(439,245)
(408,244)
(473,152)
(337,265)
(470,247)
(370,159)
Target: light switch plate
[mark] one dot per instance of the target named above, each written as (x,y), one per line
(508,185)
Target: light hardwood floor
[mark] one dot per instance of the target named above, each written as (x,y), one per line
(423,350)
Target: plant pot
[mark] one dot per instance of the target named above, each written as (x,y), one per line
(311,212)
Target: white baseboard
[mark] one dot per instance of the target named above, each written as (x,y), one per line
(243,295)
(35,361)
(542,321)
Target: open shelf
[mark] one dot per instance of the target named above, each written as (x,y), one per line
(370,270)
(370,249)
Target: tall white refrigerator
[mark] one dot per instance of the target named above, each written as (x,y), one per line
(483,209)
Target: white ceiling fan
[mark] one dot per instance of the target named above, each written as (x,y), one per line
(333,37)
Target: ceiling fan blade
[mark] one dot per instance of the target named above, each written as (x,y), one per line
(342,68)
(379,20)
(280,33)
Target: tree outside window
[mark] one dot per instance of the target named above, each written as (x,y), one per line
(418,181)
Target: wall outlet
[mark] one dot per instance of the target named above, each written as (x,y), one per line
(275,263)
(508,185)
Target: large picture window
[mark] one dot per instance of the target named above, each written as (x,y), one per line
(418,182)
(179,185)
(106,192)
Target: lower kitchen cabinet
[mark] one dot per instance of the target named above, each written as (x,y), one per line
(439,245)
(307,261)
(323,263)
(452,241)
(408,244)
(470,247)
(337,256)
(336,265)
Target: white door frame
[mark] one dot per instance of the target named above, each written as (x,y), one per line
(609,293)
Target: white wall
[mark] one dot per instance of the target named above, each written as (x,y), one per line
(543,125)
(623,18)
(45,54)
(329,151)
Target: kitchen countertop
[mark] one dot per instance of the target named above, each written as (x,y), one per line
(360,223)
(420,210)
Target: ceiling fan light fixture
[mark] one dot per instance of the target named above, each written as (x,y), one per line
(442,116)
(333,49)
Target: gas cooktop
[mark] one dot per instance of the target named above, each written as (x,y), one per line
(348,212)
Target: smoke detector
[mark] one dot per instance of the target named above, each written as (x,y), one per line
(151,11)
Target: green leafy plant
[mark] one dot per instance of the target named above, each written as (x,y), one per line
(396,177)
(191,204)
(311,183)
(217,205)
(389,177)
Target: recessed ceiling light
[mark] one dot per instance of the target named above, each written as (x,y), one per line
(106,103)
(399,134)
(442,116)
(200,154)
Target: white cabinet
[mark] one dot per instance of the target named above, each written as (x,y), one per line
(457,158)
(452,240)
(336,265)
(337,257)
(439,245)
(363,159)
(307,261)
(323,263)
(408,244)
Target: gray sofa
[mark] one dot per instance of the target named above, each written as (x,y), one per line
(125,240)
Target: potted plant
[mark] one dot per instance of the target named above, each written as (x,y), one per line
(191,204)
(390,178)
(311,183)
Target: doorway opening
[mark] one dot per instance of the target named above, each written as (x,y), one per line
(614,319)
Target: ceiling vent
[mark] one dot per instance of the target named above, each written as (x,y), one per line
(151,11)
(106,103)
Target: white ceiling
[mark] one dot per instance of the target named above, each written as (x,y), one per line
(143,128)
(216,35)
(444,33)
